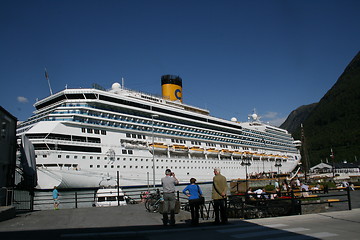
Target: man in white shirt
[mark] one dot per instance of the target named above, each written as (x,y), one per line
(168,182)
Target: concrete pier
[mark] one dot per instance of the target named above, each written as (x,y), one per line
(94,217)
(134,222)
(7,212)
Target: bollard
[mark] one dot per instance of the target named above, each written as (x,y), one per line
(32,194)
(292,203)
(76,206)
(349,199)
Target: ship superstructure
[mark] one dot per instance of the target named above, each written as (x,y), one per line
(83,136)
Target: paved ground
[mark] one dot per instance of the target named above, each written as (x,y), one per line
(84,224)
(133,222)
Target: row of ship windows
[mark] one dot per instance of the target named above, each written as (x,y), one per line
(255,134)
(270,132)
(214,138)
(98,158)
(139,136)
(95,131)
(135,159)
(277,134)
(158,167)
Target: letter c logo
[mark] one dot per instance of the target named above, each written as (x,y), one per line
(178,91)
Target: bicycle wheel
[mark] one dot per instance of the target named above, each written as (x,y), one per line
(153,204)
(147,203)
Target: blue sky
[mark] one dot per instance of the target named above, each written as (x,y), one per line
(233,56)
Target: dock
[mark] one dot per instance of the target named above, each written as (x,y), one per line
(133,223)
(94,217)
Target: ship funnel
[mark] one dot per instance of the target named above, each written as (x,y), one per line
(171,87)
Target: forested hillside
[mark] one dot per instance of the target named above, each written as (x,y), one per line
(334,122)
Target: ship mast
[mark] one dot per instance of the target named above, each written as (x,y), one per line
(48,80)
(304,152)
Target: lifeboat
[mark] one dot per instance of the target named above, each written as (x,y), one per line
(264,157)
(271,157)
(226,152)
(179,149)
(237,154)
(248,154)
(257,156)
(158,147)
(279,157)
(212,151)
(196,150)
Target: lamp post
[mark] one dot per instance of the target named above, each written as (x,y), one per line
(278,164)
(153,149)
(246,162)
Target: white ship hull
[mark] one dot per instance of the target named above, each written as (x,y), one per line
(85,137)
(80,178)
(80,170)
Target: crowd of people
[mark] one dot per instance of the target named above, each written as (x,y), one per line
(195,198)
(261,175)
(280,189)
(192,191)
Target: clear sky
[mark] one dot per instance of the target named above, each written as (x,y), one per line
(233,55)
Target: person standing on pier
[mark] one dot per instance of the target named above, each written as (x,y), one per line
(219,191)
(56,194)
(193,191)
(168,182)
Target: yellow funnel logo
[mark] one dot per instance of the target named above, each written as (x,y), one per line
(172,92)
(171,87)
(178,94)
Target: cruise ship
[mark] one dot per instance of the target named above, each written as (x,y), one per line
(83,138)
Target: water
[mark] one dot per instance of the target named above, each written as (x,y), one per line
(85,198)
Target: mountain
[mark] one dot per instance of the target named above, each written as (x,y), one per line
(297,117)
(333,122)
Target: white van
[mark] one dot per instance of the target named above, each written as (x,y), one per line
(109,197)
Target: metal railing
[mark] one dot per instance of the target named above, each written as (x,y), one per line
(244,206)
(289,203)
(27,200)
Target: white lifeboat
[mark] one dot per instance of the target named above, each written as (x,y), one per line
(196,150)
(179,149)
(212,151)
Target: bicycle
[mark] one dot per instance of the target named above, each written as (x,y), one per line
(152,203)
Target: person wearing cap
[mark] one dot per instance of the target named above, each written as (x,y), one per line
(168,182)
(219,191)
(193,191)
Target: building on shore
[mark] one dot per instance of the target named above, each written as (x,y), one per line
(343,169)
(8,152)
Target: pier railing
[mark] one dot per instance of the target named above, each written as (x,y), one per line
(238,206)
(29,200)
(254,205)
(288,203)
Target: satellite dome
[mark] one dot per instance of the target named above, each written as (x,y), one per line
(115,86)
(233,119)
(254,116)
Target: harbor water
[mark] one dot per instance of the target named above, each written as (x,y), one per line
(85,198)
